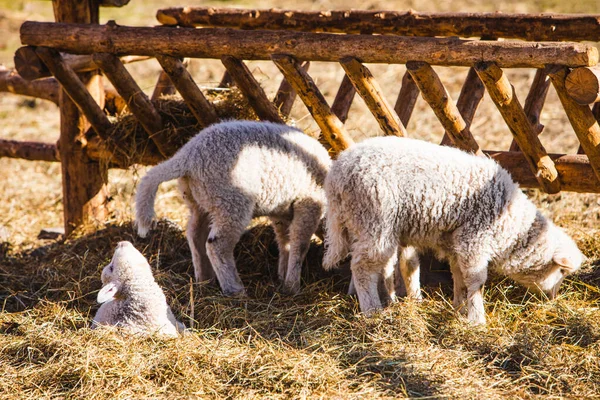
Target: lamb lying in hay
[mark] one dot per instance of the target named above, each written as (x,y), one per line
(233,171)
(385,194)
(131,299)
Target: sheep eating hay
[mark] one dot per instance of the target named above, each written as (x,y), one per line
(236,170)
(385,194)
(130,297)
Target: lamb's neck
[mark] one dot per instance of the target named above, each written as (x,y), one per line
(519,229)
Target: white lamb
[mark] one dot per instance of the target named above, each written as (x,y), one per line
(131,299)
(385,194)
(233,171)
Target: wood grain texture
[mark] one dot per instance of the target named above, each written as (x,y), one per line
(534,27)
(304,46)
(582,119)
(250,87)
(367,87)
(503,94)
(439,100)
(203,110)
(331,127)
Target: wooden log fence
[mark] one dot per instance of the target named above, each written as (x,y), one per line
(531,27)
(304,46)
(30,66)
(12,82)
(51,50)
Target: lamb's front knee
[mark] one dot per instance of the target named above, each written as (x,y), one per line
(474,285)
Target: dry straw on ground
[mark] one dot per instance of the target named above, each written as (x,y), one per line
(269,345)
(314,345)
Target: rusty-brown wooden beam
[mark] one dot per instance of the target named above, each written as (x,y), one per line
(332,128)
(343,99)
(76,90)
(33,151)
(407,98)
(503,94)
(438,98)
(250,87)
(137,101)
(582,119)
(583,84)
(469,99)
(286,95)
(260,45)
(30,67)
(368,88)
(84,182)
(535,102)
(575,172)
(203,110)
(532,27)
(12,82)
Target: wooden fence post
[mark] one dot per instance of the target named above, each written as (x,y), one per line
(84,181)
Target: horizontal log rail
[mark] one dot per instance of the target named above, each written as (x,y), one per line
(31,67)
(47,89)
(303,46)
(576,174)
(540,27)
(33,151)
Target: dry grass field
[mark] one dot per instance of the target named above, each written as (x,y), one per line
(314,345)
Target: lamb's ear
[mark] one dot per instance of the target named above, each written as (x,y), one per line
(108,292)
(566,261)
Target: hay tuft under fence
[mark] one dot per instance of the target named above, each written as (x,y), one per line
(129,140)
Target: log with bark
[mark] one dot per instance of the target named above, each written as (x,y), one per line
(30,67)
(583,85)
(534,27)
(11,81)
(304,46)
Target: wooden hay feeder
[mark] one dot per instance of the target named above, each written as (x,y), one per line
(75,47)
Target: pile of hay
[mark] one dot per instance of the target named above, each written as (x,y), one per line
(270,345)
(130,141)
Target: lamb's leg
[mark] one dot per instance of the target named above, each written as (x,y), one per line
(474,281)
(410,271)
(228,224)
(388,290)
(366,274)
(473,274)
(197,233)
(460,290)
(281,228)
(307,215)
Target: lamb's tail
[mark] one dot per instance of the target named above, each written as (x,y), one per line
(336,237)
(170,169)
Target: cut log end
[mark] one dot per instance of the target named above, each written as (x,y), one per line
(583,85)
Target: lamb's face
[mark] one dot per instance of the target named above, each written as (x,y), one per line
(126,265)
(564,258)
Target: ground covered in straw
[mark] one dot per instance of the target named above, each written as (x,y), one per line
(315,345)
(269,345)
